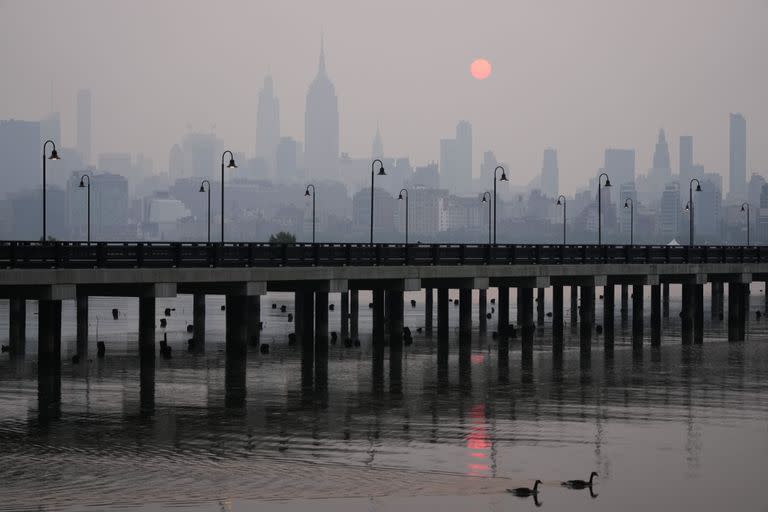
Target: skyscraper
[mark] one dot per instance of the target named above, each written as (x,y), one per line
(686,157)
(620,166)
(321,126)
(84,124)
(267,124)
(669,220)
(20,147)
(456,159)
(550,174)
(377,148)
(737,185)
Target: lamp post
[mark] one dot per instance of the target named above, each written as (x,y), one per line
(629,203)
(381,173)
(561,202)
(54,156)
(85,182)
(503,178)
(745,208)
(203,189)
(690,203)
(400,197)
(600,206)
(487,199)
(230,165)
(307,194)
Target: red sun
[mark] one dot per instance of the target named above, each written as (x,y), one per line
(480,69)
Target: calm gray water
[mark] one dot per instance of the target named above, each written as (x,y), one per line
(680,428)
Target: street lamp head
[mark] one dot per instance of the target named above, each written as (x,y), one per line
(626,204)
(82,185)
(231,164)
(400,195)
(503,177)
(559,203)
(484,199)
(698,187)
(607,181)
(743,208)
(54,155)
(687,206)
(381,171)
(306,193)
(202,188)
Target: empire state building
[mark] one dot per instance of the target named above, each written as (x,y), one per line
(321,126)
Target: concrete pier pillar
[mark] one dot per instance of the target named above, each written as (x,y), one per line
(307,323)
(147,387)
(378,318)
(428,310)
(687,313)
(465,314)
(235,369)
(344,316)
(698,315)
(321,323)
(609,314)
(585,333)
(665,300)
(637,316)
(718,298)
(540,306)
(527,327)
(147,327)
(442,314)
(655,315)
(354,313)
(49,333)
(198,323)
(624,304)
(557,319)
(737,311)
(503,313)
(574,304)
(253,305)
(482,310)
(17,319)
(395,307)
(237,325)
(81,304)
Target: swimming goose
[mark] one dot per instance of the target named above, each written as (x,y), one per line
(580,484)
(524,492)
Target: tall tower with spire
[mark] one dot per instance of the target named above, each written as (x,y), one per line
(321,125)
(377,148)
(267,124)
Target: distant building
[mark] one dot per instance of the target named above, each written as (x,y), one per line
(202,155)
(50,129)
(384,210)
(377,147)
(286,159)
(176,163)
(620,166)
(461,213)
(686,158)
(20,147)
(737,183)
(456,159)
(426,176)
(550,174)
(708,205)
(118,163)
(627,191)
(669,214)
(661,172)
(321,126)
(84,124)
(267,125)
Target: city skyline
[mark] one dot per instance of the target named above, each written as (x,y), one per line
(516,119)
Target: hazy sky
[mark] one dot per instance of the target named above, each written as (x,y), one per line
(579,76)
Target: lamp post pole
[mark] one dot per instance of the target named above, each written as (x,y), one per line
(54,156)
(562,202)
(381,173)
(600,206)
(629,203)
(400,197)
(306,193)
(85,182)
(203,189)
(745,208)
(231,165)
(503,178)
(490,208)
(690,203)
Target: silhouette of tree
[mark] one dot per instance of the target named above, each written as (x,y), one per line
(283,237)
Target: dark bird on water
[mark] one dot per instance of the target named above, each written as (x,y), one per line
(580,484)
(524,492)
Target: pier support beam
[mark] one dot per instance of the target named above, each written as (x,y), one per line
(698,315)
(665,300)
(737,311)
(198,323)
(656,315)
(49,333)
(540,306)
(378,319)
(237,325)
(525,314)
(574,305)
(395,308)
(147,327)
(587,305)
(503,313)
(17,320)
(637,316)
(465,317)
(81,304)
(482,310)
(718,299)
(429,315)
(687,314)
(354,313)
(442,314)
(609,313)
(624,304)
(321,323)
(344,316)
(253,304)
(557,319)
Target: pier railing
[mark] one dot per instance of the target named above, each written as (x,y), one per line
(29,255)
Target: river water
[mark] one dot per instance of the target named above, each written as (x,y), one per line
(679,428)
